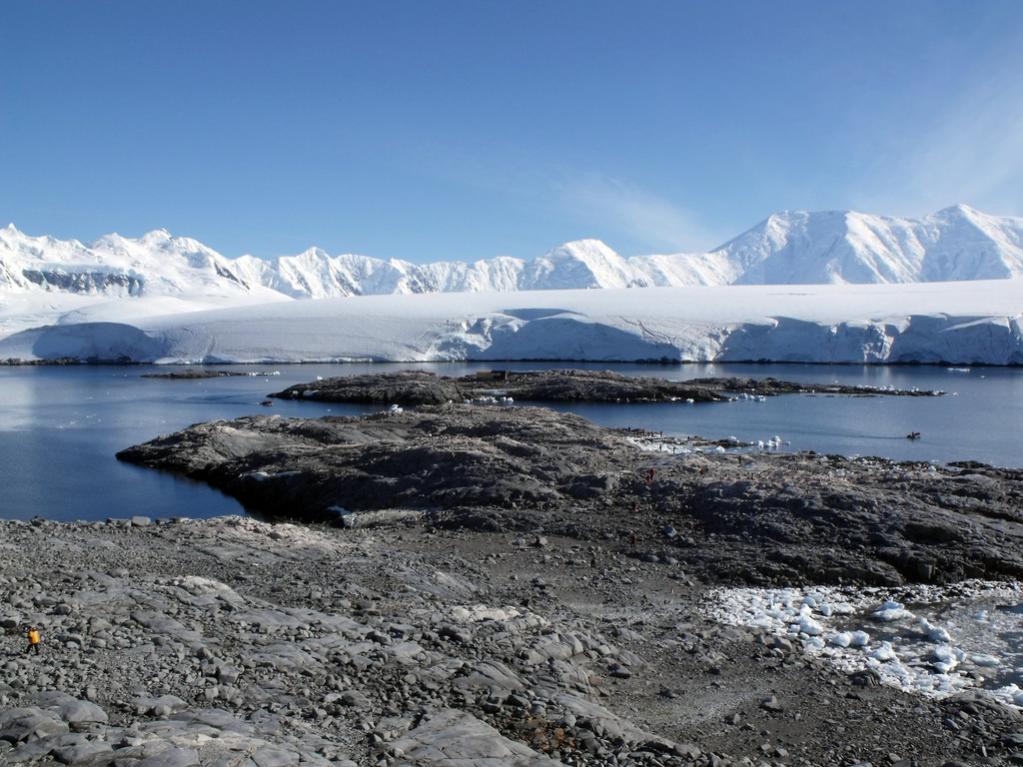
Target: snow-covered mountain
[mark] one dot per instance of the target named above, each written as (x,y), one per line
(316,274)
(156,264)
(957,243)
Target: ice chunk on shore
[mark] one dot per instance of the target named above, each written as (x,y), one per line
(891,611)
(945,658)
(860,639)
(841,639)
(985,660)
(933,632)
(884,653)
(850,639)
(807,625)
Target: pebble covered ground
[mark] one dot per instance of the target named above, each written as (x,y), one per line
(238,642)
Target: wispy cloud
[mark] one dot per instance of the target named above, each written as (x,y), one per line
(580,203)
(970,151)
(624,208)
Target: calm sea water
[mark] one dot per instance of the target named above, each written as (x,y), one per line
(60,427)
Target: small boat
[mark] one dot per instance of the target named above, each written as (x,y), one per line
(267,403)
(913,435)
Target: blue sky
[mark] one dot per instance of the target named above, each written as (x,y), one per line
(462,130)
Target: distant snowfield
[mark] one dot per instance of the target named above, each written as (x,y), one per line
(974,322)
(19,311)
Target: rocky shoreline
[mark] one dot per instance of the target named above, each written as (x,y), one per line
(239,642)
(418,387)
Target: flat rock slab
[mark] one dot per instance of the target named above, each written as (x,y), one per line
(29,723)
(173,757)
(452,738)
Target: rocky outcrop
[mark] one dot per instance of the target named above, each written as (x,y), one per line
(744,517)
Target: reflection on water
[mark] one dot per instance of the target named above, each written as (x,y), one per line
(60,426)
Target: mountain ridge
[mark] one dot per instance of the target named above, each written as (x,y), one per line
(786,248)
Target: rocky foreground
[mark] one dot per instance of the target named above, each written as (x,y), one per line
(234,642)
(419,387)
(497,586)
(745,518)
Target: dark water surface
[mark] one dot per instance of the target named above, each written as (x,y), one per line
(60,426)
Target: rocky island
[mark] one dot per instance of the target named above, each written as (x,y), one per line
(193,374)
(418,387)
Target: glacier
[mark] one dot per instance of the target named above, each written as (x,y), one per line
(962,323)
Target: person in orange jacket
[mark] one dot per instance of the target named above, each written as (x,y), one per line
(33,640)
